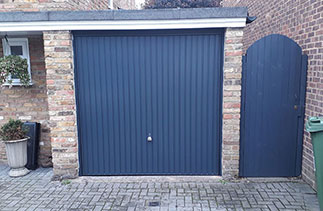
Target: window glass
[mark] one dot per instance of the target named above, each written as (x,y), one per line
(16,50)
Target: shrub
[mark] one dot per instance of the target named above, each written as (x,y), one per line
(14,66)
(13,130)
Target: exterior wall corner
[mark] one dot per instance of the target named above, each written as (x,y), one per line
(58,52)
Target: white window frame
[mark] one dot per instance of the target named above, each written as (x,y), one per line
(6,43)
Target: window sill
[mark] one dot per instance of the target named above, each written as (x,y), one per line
(16,84)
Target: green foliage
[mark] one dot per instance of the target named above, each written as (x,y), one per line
(66,182)
(14,65)
(223,182)
(13,130)
(158,4)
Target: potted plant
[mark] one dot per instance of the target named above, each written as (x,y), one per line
(14,135)
(13,66)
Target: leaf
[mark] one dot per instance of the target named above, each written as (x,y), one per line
(13,130)
(14,65)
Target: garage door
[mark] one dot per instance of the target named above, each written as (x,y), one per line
(149,102)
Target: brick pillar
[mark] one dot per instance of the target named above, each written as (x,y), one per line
(61,102)
(231,102)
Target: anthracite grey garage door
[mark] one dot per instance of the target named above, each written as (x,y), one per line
(149,102)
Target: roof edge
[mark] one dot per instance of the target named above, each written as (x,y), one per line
(6,27)
(119,15)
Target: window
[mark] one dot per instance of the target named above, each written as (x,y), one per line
(17,46)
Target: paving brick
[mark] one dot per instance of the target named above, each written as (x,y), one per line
(37,192)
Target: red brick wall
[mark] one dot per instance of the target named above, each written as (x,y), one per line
(302,21)
(29,104)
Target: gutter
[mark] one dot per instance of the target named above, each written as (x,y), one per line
(123,24)
(251,19)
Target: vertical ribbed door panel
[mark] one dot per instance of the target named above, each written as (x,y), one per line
(163,85)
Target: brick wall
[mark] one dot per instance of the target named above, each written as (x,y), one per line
(232,72)
(100,4)
(125,4)
(88,4)
(54,5)
(29,104)
(32,5)
(61,101)
(302,21)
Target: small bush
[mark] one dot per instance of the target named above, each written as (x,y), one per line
(13,130)
(14,66)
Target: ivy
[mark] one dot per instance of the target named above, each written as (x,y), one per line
(14,66)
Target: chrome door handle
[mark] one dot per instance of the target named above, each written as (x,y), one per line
(149,138)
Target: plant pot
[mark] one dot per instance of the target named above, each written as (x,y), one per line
(17,157)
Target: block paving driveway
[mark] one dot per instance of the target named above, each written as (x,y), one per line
(36,191)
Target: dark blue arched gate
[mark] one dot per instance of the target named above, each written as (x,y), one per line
(273,98)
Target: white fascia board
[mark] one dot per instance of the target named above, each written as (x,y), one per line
(123,25)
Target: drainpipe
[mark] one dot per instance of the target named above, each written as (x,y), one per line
(111,4)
